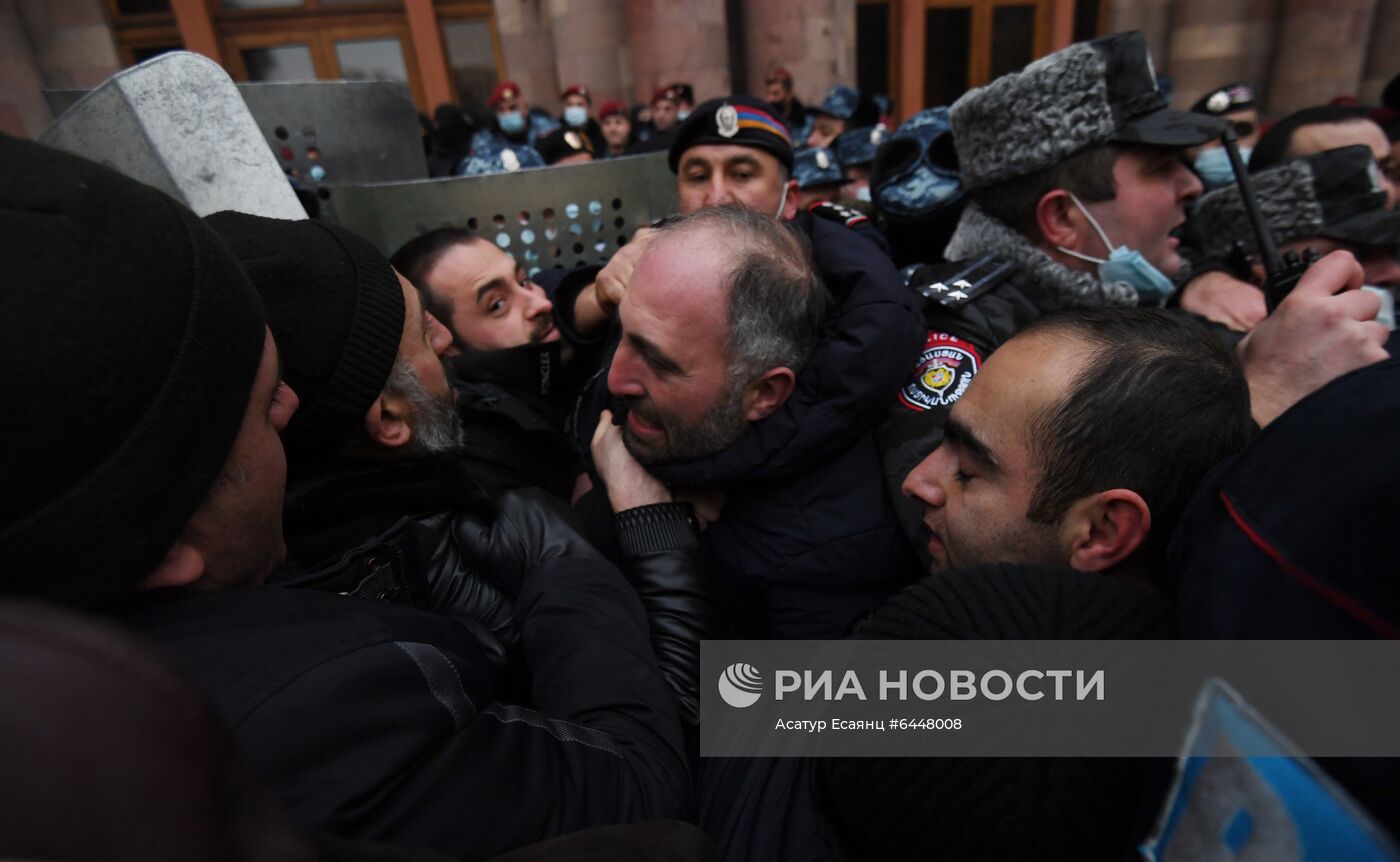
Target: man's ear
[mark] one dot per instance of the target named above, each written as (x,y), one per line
(1104,529)
(386,421)
(767,393)
(790,206)
(1058,219)
(182,566)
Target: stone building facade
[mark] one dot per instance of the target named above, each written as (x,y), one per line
(920,52)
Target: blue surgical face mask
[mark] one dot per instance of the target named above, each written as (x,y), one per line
(512,122)
(1386,316)
(1125,265)
(576,115)
(863,194)
(1213,166)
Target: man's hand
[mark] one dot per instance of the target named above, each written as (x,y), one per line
(1323,329)
(1224,299)
(629,484)
(597,303)
(708,505)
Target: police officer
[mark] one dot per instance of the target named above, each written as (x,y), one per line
(778,90)
(665,110)
(856,150)
(818,175)
(1074,172)
(515,124)
(844,108)
(578,116)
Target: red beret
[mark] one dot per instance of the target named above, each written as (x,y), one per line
(611,108)
(577,90)
(502,91)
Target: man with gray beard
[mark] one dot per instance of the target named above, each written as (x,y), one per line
(373,462)
(722,313)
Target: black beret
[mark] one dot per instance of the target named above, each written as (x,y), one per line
(739,120)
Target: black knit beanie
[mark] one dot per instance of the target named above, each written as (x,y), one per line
(997,808)
(130,340)
(336,310)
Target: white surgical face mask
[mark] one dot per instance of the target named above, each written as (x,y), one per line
(782,204)
(1125,265)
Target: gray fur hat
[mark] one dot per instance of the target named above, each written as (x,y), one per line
(1089,93)
(1335,194)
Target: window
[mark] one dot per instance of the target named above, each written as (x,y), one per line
(279,63)
(371,60)
(947,51)
(472,60)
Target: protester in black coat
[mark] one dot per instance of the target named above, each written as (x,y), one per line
(365,718)
(379,721)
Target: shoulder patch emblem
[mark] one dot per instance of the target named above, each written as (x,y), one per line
(944,371)
(838,213)
(961,283)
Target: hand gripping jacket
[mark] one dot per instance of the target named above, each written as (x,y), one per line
(808,541)
(389,723)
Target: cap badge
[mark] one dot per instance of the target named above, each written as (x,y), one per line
(877,135)
(727,121)
(509,160)
(1218,102)
(822,161)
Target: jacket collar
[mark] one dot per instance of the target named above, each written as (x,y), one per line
(1050,285)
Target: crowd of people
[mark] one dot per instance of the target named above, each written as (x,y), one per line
(410,556)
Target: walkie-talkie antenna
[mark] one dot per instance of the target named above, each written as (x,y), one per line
(1281,273)
(1267,250)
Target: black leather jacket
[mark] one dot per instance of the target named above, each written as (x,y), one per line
(469,561)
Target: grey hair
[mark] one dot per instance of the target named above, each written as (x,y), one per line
(776,301)
(436,426)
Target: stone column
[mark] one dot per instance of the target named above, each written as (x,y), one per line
(1319,53)
(590,47)
(23,112)
(678,40)
(528,48)
(72,41)
(1217,42)
(1383,57)
(815,40)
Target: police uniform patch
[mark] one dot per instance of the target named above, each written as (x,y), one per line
(727,121)
(837,213)
(944,371)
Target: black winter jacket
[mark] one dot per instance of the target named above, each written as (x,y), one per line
(379,721)
(963,326)
(420,532)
